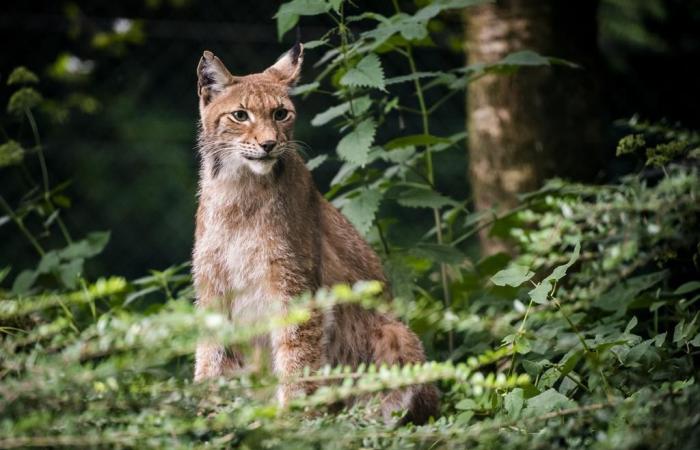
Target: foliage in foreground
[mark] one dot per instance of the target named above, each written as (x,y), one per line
(588,339)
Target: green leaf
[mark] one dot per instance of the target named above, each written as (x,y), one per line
(513,276)
(92,245)
(626,291)
(68,273)
(22,75)
(361,209)
(11,153)
(466,404)
(541,292)
(49,262)
(288,14)
(4,272)
(440,253)
(683,289)
(559,272)
(513,403)
(354,147)
(525,58)
(22,100)
(411,77)
(423,198)
(24,282)
(304,88)
(548,401)
(330,114)
(415,140)
(313,163)
(367,73)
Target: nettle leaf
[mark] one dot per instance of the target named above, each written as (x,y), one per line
(423,198)
(314,162)
(548,401)
(354,147)
(513,276)
(541,292)
(92,245)
(437,6)
(367,73)
(513,403)
(304,88)
(411,77)
(416,140)
(330,114)
(288,14)
(361,209)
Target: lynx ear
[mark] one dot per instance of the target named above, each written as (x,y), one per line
(288,67)
(212,77)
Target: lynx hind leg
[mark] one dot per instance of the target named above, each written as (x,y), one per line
(214,360)
(394,344)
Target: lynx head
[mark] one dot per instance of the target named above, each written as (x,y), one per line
(246,121)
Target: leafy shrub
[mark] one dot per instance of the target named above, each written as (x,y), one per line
(587,339)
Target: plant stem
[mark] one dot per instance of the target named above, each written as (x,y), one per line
(20,224)
(45,175)
(431,179)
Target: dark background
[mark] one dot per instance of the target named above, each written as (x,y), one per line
(123,132)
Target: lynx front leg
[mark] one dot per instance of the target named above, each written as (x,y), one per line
(294,348)
(214,360)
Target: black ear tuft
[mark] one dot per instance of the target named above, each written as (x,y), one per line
(295,52)
(212,76)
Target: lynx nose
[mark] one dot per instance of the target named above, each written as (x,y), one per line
(267,146)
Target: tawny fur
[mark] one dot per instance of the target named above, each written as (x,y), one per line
(264,235)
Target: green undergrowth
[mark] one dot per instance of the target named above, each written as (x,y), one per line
(588,338)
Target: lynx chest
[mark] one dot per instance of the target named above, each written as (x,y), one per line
(232,266)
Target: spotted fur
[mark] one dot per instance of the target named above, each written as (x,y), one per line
(264,235)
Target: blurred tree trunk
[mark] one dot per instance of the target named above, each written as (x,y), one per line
(540,122)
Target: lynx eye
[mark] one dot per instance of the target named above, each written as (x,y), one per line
(240,115)
(280,114)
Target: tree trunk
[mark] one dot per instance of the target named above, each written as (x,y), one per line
(541,121)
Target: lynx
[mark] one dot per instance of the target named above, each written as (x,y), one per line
(264,234)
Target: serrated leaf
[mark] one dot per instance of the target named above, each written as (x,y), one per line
(423,198)
(466,404)
(367,73)
(411,77)
(513,403)
(354,147)
(288,14)
(513,276)
(541,292)
(548,401)
(330,114)
(361,209)
(416,140)
(92,245)
(313,163)
(304,88)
